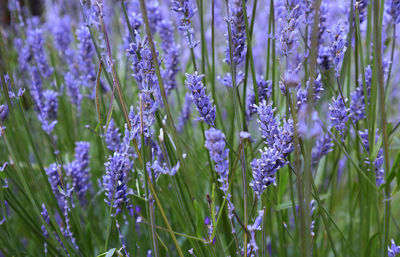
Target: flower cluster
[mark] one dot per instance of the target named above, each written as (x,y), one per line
(338,45)
(238,34)
(78,170)
(394,10)
(184,8)
(202,101)
(339,114)
(115,182)
(378,162)
(279,139)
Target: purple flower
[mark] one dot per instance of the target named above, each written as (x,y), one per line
(185,114)
(394,10)
(159,168)
(115,182)
(50,104)
(61,30)
(113,137)
(186,11)
(171,55)
(54,176)
(3,112)
(269,124)
(73,90)
(362,6)
(284,139)
(338,45)
(148,109)
(48,110)
(339,114)
(85,56)
(227,79)
(154,15)
(143,66)
(78,170)
(202,101)
(121,237)
(238,33)
(289,15)
(357,104)
(35,41)
(265,168)
(322,147)
(324,58)
(264,93)
(215,143)
(393,250)
(46,218)
(378,162)
(253,228)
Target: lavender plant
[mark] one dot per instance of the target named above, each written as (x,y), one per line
(199,128)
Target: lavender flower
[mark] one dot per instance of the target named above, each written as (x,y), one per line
(227,79)
(73,90)
(284,139)
(393,250)
(154,15)
(171,58)
(378,162)
(61,30)
(3,112)
(186,11)
(322,147)
(362,6)
(24,54)
(264,93)
(159,169)
(113,137)
(289,14)
(357,104)
(85,56)
(50,104)
(148,109)
(46,218)
(269,124)
(35,41)
(121,237)
(215,143)
(142,64)
(265,168)
(338,45)
(48,111)
(185,113)
(324,58)
(67,230)
(394,10)
(78,170)
(115,182)
(253,228)
(238,33)
(54,176)
(202,101)
(339,114)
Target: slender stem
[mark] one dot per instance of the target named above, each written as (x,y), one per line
(379,69)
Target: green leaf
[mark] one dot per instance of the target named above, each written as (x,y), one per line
(199,221)
(109,253)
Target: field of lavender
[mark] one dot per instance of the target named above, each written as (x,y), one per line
(200,128)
